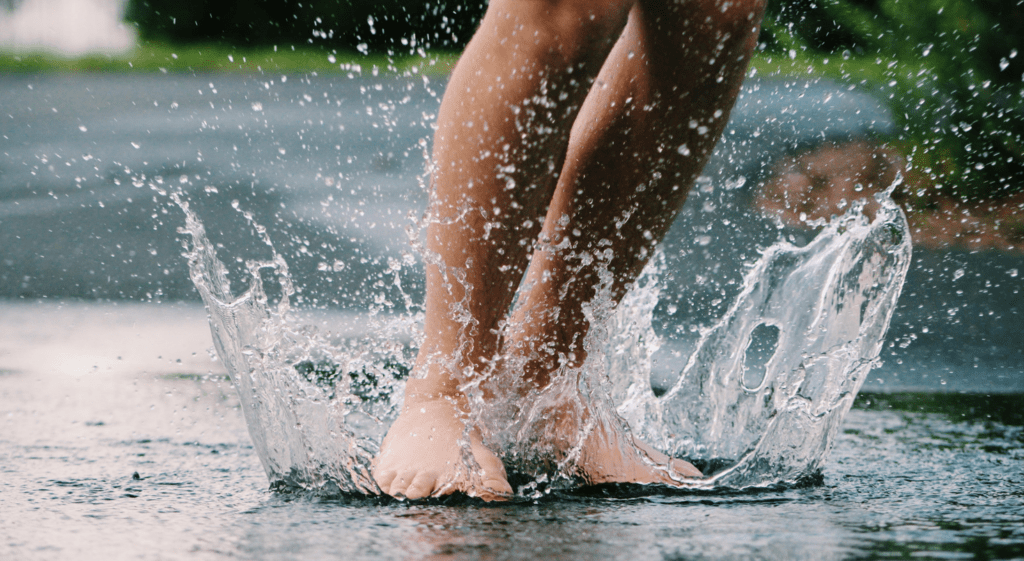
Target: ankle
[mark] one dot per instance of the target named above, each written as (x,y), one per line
(423,390)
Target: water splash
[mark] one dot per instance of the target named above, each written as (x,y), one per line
(767,388)
(316,407)
(758,404)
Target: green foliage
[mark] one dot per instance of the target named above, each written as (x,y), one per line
(953,71)
(985,408)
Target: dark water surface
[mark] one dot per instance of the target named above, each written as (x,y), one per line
(120,439)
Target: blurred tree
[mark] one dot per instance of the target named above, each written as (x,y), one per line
(957,84)
(343,24)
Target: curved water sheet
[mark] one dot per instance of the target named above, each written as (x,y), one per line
(762,398)
(316,406)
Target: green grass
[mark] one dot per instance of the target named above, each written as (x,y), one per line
(1001,408)
(862,70)
(166,58)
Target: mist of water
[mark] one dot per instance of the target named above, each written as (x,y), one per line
(758,404)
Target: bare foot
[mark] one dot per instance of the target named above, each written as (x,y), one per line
(422,456)
(623,459)
(606,455)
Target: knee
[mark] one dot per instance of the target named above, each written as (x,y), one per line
(572,22)
(737,18)
(703,25)
(597,17)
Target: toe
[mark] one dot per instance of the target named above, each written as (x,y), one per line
(494,483)
(686,469)
(400,484)
(422,486)
(498,487)
(384,478)
(494,480)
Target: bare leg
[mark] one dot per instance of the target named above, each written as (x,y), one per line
(502,133)
(641,138)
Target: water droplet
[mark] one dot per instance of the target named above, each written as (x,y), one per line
(1003,64)
(683,149)
(735,183)
(958,273)
(257,106)
(82,128)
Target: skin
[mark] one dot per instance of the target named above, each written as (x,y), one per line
(569,135)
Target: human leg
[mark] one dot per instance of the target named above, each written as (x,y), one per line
(638,143)
(502,131)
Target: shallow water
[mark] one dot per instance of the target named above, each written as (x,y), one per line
(932,476)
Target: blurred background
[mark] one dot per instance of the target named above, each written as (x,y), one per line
(948,69)
(314,118)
